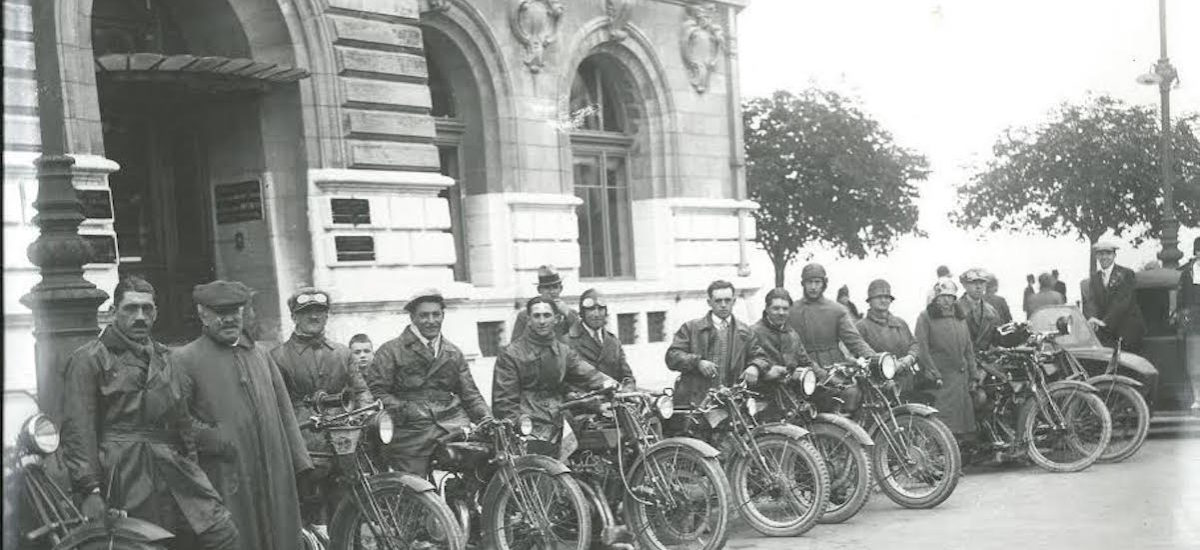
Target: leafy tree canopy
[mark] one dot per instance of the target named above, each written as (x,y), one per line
(823,172)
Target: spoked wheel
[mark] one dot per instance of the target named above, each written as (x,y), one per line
(547,511)
(922,470)
(785,497)
(849,467)
(682,501)
(407,520)
(1130,421)
(1077,441)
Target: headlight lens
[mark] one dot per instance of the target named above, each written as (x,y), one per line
(887,366)
(42,434)
(666,406)
(808,382)
(525,425)
(386,427)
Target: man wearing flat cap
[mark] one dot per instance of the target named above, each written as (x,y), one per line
(1111,308)
(982,317)
(310,363)
(246,432)
(550,287)
(425,383)
(593,342)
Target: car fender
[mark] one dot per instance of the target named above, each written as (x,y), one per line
(1105,379)
(411,482)
(777,428)
(919,409)
(857,432)
(129,531)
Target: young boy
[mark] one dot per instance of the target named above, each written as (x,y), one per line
(362,351)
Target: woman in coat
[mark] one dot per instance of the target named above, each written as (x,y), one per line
(946,354)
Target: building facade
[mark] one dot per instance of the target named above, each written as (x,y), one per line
(372,147)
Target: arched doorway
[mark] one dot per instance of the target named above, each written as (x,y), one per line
(200,130)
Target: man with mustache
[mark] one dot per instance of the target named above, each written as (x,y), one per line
(246,430)
(123,426)
(311,363)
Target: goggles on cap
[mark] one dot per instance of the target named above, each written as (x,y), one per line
(589,303)
(317,298)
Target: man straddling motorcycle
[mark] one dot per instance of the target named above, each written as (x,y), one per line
(124,426)
(310,363)
(534,373)
(781,343)
(425,383)
(887,333)
(594,343)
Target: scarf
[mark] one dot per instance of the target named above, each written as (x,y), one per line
(547,360)
(882,318)
(310,340)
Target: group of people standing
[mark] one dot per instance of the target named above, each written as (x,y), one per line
(204,439)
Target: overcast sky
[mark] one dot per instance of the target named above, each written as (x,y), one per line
(945,77)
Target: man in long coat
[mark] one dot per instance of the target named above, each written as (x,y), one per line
(310,363)
(424,381)
(593,342)
(713,350)
(249,442)
(982,317)
(823,323)
(1112,308)
(550,287)
(534,373)
(124,425)
(887,333)
(946,353)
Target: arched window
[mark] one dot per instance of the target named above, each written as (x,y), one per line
(600,146)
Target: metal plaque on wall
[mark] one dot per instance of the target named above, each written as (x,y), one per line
(238,202)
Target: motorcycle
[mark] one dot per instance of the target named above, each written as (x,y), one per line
(671,491)
(43,515)
(522,500)
(915,458)
(779,480)
(382,510)
(1062,426)
(844,446)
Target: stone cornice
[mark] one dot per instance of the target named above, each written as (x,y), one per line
(542,199)
(340,179)
(712,204)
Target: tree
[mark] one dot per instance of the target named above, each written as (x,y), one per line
(824,172)
(1090,168)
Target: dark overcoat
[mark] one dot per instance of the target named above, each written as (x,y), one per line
(1116,305)
(607,356)
(944,347)
(309,365)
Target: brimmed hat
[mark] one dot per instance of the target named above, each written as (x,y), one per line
(308,297)
(422,296)
(221,294)
(975,274)
(945,287)
(548,276)
(879,287)
(1106,244)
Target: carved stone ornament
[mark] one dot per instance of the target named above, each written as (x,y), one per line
(439,6)
(701,44)
(535,24)
(619,13)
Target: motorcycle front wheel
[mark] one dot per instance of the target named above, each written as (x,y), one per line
(849,466)
(407,520)
(549,513)
(681,501)
(1130,421)
(787,496)
(922,469)
(1081,438)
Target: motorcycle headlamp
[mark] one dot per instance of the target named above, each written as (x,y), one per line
(386,427)
(808,382)
(666,406)
(525,425)
(886,365)
(40,434)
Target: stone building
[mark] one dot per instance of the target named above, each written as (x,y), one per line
(371,147)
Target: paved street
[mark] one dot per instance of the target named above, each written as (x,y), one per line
(1149,501)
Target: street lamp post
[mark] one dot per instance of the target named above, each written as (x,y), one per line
(1164,75)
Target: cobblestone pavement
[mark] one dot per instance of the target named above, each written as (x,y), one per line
(1151,500)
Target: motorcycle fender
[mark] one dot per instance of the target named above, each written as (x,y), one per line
(787,430)
(919,409)
(411,482)
(542,462)
(1113,379)
(708,451)
(128,530)
(1073,384)
(859,434)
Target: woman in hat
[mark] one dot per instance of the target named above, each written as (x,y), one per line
(946,354)
(886,333)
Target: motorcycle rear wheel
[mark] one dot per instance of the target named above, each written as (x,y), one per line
(1130,421)
(766,505)
(504,524)
(930,459)
(1076,447)
(849,466)
(420,518)
(699,520)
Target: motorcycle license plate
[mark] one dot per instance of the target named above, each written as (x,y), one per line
(344,440)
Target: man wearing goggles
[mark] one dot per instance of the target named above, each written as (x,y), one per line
(596,345)
(311,363)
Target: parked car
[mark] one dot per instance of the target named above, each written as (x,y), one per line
(1157,295)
